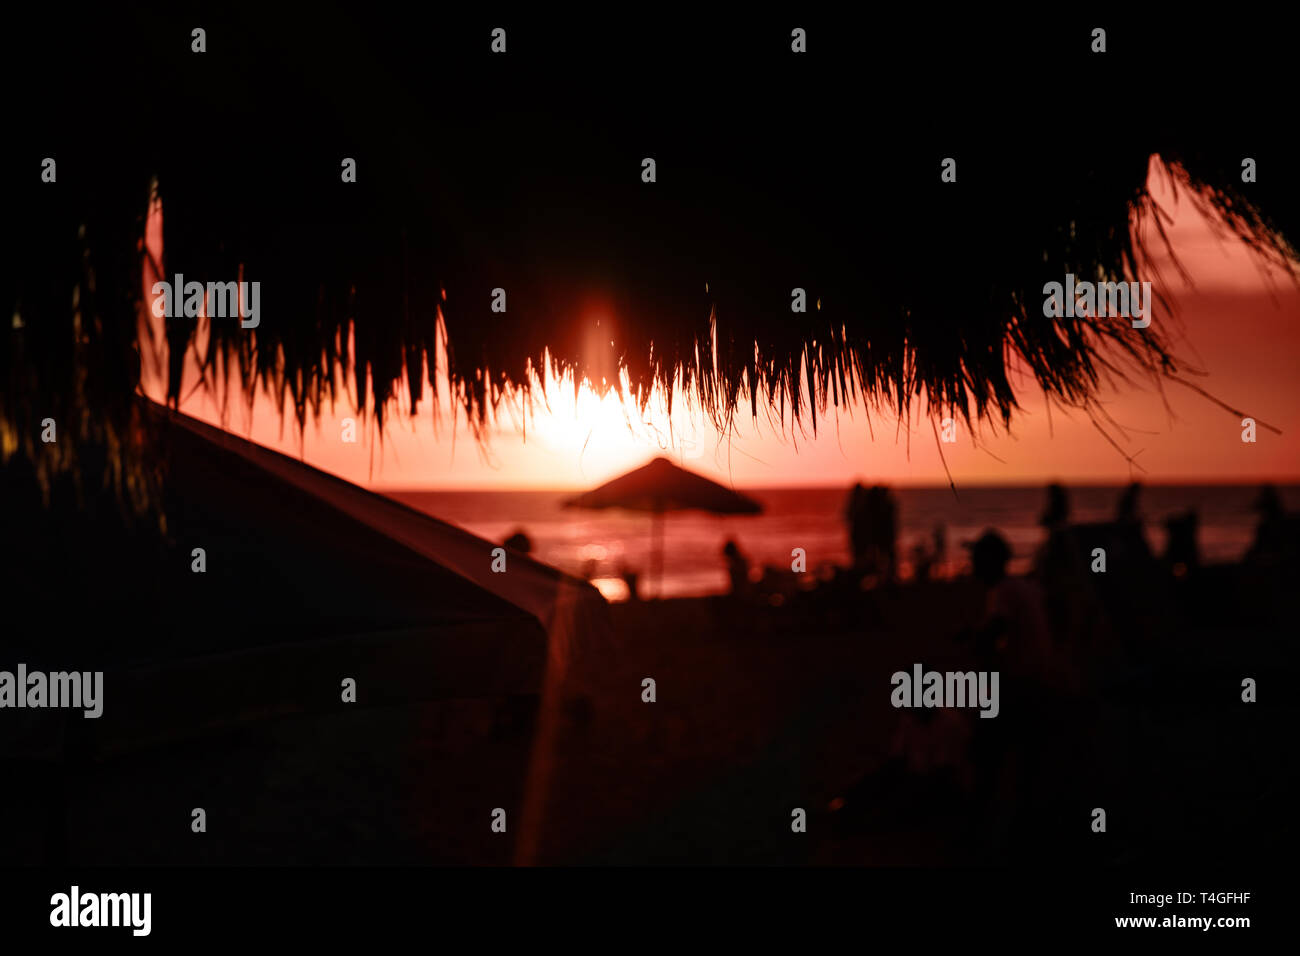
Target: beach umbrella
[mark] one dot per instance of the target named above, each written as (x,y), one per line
(791,245)
(659,487)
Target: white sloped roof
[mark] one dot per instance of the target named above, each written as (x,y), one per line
(557,600)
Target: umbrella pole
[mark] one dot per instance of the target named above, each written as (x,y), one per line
(657,552)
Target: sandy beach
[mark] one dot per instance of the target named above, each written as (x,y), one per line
(758,711)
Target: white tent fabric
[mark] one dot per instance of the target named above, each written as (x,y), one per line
(500,647)
(554,598)
(573,613)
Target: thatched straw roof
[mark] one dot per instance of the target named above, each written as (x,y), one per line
(523,172)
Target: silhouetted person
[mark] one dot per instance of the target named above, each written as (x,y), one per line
(519,542)
(927,563)
(1127,512)
(1013,640)
(1124,539)
(940,539)
(630,578)
(1057,513)
(1268,503)
(885,527)
(1013,634)
(872,517)
(737,568)
(1181,553)
(1277,535)
(1062,571)
(859,524)
(922,561)
(1057,558)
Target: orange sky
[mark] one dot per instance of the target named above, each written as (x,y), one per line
(1238,324)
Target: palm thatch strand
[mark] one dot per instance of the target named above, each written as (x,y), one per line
(523,172)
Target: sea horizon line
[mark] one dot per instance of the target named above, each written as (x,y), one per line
(829,486)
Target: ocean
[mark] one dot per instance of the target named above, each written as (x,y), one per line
(598,544)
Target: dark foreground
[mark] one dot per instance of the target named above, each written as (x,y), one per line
(759,711)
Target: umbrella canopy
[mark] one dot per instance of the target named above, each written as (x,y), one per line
(661,486)
(525,172)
